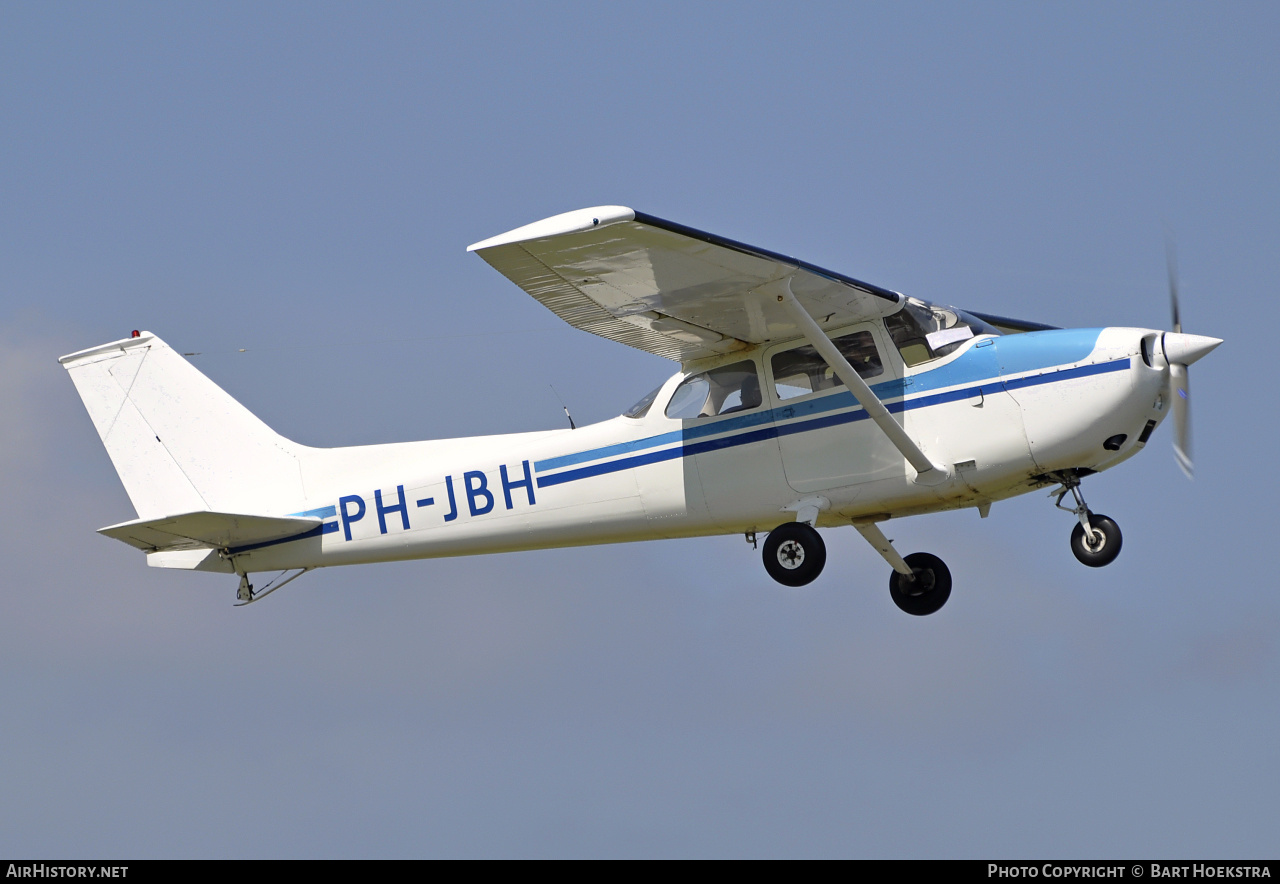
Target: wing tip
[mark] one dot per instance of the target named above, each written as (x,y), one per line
(558,225)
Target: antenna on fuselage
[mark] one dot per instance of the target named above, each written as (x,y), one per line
(572,426)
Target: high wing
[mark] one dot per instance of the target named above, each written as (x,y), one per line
(1009,326)
(672,290)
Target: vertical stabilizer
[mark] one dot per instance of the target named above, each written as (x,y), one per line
(179,442)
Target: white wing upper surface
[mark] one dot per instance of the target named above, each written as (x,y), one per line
(669,289)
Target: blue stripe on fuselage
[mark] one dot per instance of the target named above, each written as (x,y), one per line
(1015,354)
(1036,351)
(1075,344)
(320,512)
(829,420)
(970,374)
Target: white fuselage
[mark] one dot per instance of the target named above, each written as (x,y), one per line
(1000,413)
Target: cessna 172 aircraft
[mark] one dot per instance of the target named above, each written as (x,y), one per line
(805,399)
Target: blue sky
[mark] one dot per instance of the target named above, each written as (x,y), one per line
(300,182)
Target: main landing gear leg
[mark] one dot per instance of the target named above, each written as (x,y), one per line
(920,583)
(1096,539)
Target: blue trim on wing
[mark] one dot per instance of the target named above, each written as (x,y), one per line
(735,245)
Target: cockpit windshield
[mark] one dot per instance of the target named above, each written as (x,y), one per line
(923,331)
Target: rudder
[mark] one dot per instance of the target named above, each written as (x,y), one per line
(179,442)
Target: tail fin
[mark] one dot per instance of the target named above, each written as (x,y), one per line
(179,442)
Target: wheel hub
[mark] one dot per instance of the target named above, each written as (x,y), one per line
(790,555)
(920,582)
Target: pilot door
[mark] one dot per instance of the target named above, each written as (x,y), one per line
(824,435)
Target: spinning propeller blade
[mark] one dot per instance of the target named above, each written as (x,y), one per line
(1180,351)
(1180,393)
(1171,263)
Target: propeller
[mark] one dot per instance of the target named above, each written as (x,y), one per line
(1180,350)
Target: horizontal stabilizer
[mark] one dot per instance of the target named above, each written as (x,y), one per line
(207,530)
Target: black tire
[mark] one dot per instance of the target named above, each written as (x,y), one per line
(928,592)
(794,554)
(1106,547)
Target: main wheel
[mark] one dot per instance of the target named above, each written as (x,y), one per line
(928,592)
(794,554)
(1103,548)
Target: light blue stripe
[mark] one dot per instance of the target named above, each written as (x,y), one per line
(320,512)
(1048,349)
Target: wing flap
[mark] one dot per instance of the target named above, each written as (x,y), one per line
(208,530)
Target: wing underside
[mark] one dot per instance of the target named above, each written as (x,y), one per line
(668,289)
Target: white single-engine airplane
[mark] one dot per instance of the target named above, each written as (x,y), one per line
(805,399)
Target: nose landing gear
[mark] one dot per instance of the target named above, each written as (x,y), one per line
(1096,540)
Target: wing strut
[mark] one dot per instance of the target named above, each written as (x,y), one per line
(928,473)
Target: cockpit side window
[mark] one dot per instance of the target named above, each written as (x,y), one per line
(802,371)
(641,408)
(922,331)
(724,390)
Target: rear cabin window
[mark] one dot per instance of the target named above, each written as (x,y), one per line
(724,390)
(802,371)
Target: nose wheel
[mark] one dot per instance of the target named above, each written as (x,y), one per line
(1099,547)
(1096,539)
